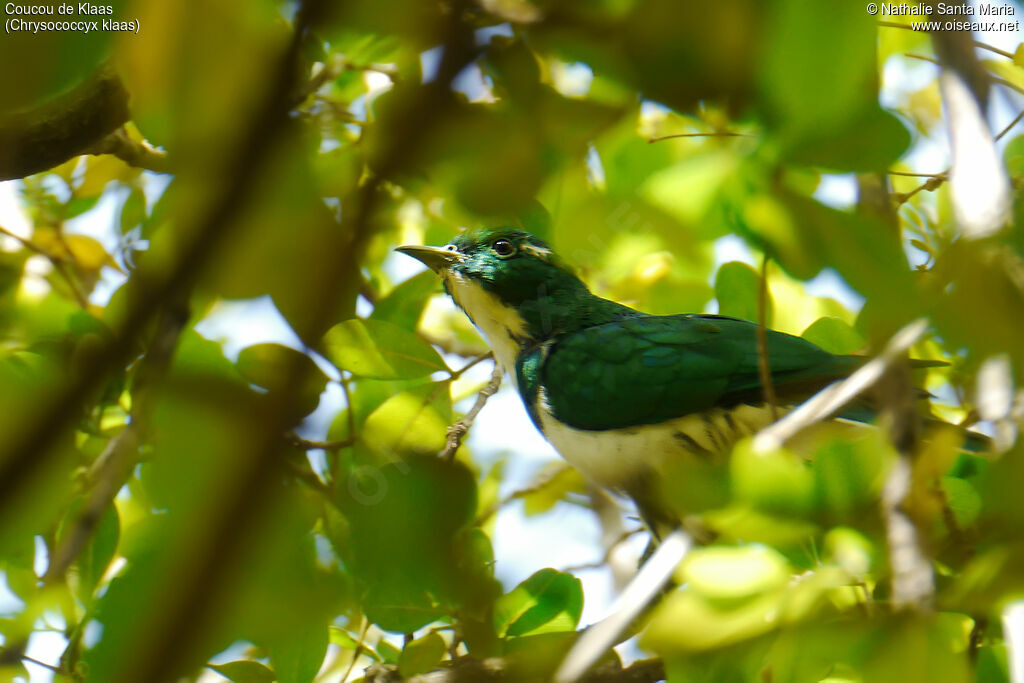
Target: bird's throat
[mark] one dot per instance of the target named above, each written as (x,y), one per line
(504,328)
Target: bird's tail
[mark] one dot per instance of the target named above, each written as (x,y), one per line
(971,441)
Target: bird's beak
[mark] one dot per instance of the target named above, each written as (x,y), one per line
(435,258)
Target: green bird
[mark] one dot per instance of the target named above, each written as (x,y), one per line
(619,392)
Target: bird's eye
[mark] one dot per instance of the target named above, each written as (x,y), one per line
(450,247)
(503,248)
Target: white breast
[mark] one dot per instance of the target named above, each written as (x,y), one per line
(615,457)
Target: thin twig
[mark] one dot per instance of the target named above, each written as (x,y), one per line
(977,43)
(357,652)
(722,134)
(309,445)
(56,261)
(458,373)
(459,429)
(1010,125)
(763,362)
(32,660)
(919,175)
(995,79)
(603,562)
(523,492)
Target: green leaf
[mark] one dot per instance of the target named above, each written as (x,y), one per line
(389,654)
(728,574)
(963,499)
(267,366)
(736,288)
(403,306)
(547,602)
(92,562)
(245,671)
(819,80)
(549,488)
(422,507)
(297,657)
(422,655)
(133,211)
(834,335)
(413,421)
(1014,155)
(342,638)
(76,206)
(380,350)
(779,482)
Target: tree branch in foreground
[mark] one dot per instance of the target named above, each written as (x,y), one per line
(833,397)
(470,670)
(64,127)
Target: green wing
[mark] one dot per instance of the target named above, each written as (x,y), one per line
(649,369)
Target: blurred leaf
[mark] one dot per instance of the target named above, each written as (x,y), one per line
(422,655)
(834,335)
(413,421)
(245,671)
(818,76)
(546,602)
(267,366)
(963,500)
(380,350)
(419,507)
(737,288)
(730,574)
(389,654)
(297,658)
(404,304)
(99,550)
(76,206)
(133,211)
(551,485)
(778,482)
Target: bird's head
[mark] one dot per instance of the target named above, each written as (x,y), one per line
(511,264)
(505,279)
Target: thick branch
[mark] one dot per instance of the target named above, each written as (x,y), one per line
(470,670)
(63,127)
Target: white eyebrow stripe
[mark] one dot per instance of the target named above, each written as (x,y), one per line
(536,251)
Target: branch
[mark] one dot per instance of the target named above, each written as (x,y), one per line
(523,492)
(647,583)
(230,528)
(470,670)
(57,262)
(913,586)
(111,469)
(307,445)
(458,430)
(833,397)
(722,134)
(63,127)
(138,153)
(763,364)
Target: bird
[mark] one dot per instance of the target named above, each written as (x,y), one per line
(618,392)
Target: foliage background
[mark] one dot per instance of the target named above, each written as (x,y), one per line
(159,518)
